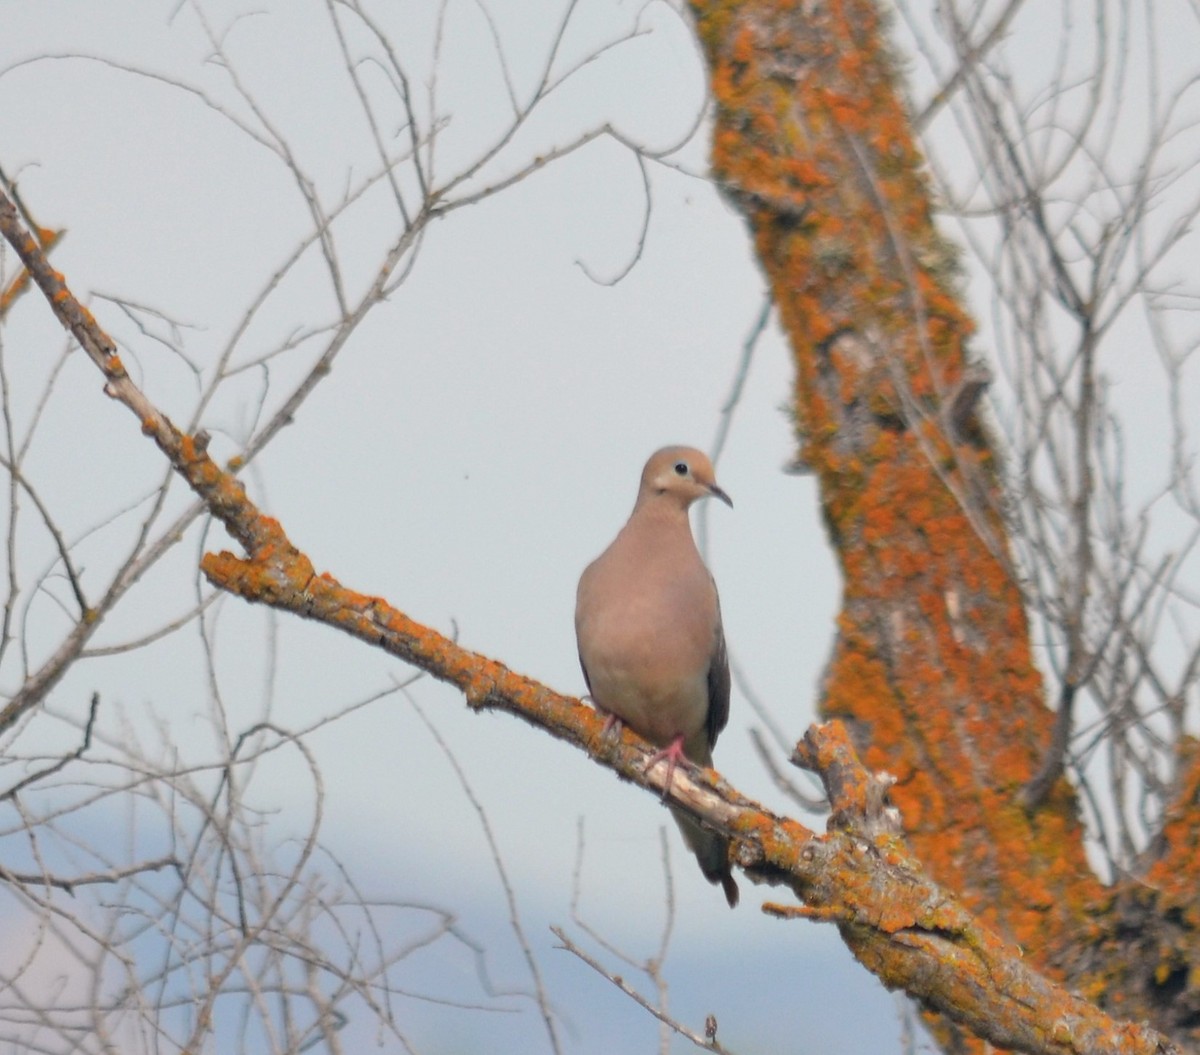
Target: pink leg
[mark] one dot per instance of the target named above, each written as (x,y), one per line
(612,727)
(673,753)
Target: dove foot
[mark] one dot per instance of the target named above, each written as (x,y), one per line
(673,755)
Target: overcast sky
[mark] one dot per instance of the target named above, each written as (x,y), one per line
(477,443)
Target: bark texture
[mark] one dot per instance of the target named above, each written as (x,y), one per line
(931,667)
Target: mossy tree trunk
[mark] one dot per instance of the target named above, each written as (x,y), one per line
(932,667)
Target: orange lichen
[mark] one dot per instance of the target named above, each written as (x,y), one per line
(932,663)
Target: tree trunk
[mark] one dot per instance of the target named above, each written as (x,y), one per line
(931,668)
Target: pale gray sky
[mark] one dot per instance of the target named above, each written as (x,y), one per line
(476,444)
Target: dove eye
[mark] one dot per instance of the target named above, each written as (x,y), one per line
(681,468)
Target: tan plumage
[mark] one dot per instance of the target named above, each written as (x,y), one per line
(651,643)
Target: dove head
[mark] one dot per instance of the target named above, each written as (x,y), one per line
(680,475)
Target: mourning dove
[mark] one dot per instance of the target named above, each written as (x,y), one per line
(651,644)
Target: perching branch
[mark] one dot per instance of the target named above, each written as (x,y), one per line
(860,875)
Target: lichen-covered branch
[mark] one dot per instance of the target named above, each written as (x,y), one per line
(932,669)
(860,874)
